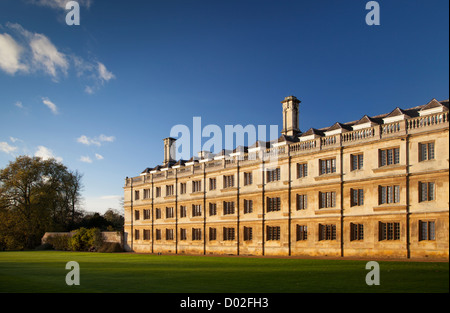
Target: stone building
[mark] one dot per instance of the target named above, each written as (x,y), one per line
(375,187)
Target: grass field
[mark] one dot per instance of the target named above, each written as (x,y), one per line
(44,271)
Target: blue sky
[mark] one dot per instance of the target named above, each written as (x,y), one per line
(102,96)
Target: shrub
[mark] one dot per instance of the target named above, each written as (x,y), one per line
(86,239)
(59,242)
(110,247)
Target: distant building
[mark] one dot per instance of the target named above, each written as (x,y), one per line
(376,187)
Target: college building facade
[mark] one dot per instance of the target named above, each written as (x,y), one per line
(376,187)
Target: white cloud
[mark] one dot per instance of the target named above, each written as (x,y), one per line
(50,105)
(5,147)
(19,104)
(60,4)
(85,159)
(14,140)
(104,74)
(45,153)
(98,74)
(97,141)
(10,54)
(99,156)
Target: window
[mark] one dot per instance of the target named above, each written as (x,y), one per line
(196,186)
(389,156)
(182,188)
(196,210)
(196,234)
(169,234)
(356,231)
(389,194)
(302,170)
(357,161)
(426,151)
(273,204)
(158,234)
(212,233)
(146,214)
(228,207)
(136,234)
(327,232)
(147,193)
(356,197)
(136,215)
(228,233)
(136,195)
(427,230)
(389,231)
(327,166)
(183,211)
(228,181)
(302,232)
(248,206)
(273,233)
(212,184)
(158,213)
(426,191)
(169,212)
(183,234)
(248,179)
(248,233)
(212,209)
(146,234)
(302,202)
(169,190)
(158,192)
(273,175)
(327,199)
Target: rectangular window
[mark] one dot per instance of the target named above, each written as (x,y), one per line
(136,215)
(228,207)
(212,184)
(327,232)
(248,206)
(273,233)
(136,234)
(182,188)
(183,234)
(388,231)
(158,192)
(228,233)
(212,233)
(357,161)
(146,214)
(356,197)
(273,175)
(196,234)
(327,199)
(273,204)
(389,194)
(196,210)
(228,181)
(183,211)
(196,186)
(169,212)
(427,230)
(327,166)
(158,213)
(136,195)
(426,151)
(146,234)
(426,191)
(147,193)
(389,156)
(302,170)
(356,231)
(212,209)
(302,232)
(158,234)
(248,179)
(169,190)
(169,234)
(248,233)
(302,202)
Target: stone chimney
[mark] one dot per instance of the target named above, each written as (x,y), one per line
(169,150)
(290,116)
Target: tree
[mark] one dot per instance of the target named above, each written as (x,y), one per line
(36,196)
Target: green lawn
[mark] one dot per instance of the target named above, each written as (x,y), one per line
(44,271)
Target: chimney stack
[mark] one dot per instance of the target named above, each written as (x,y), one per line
(290,116)
(169,150)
